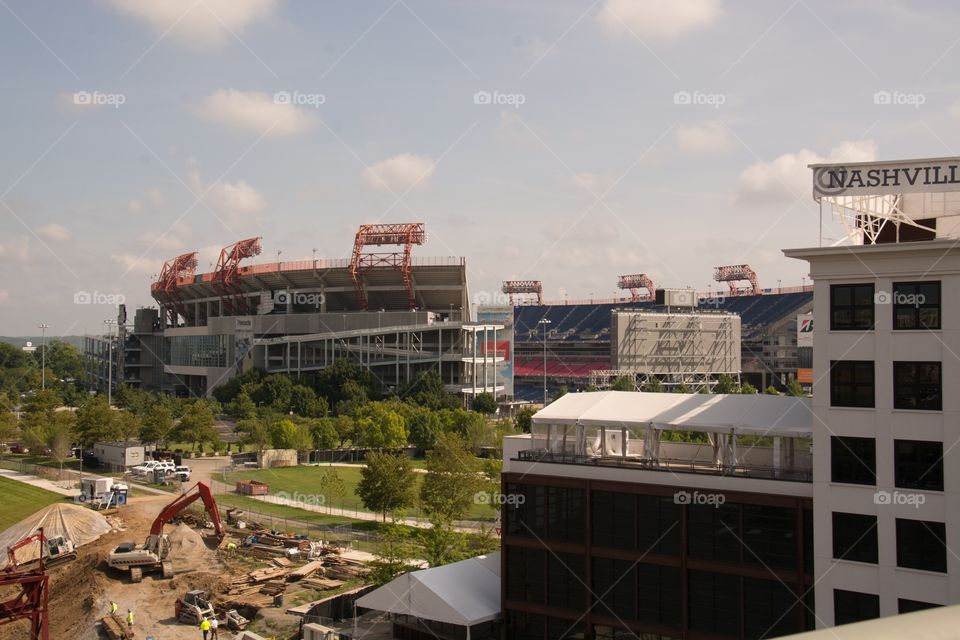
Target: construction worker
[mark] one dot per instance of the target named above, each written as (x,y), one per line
(129,619)
(214,623)
(113,607)
(232,548)
(205,627)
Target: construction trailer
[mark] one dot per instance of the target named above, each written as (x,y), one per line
(116,455)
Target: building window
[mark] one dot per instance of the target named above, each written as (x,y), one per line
(553,513)
(615,588)
(851,383)
(658,525)
(917,385)
(855,537)
(918,464)
(614,519)
(852,606)
(565,588)
(714,603)
(713,532)
(851,307)
(526,574)
(916,305)
(769,609)
(853,460)
(770,536)
(921,545)
(909,606)
(658,595)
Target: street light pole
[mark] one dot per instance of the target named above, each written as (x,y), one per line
(43,354)
(110,324)
(544,322)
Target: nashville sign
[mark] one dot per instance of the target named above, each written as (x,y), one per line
(861,179)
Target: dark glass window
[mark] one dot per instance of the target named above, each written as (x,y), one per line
(921,545)
(769,608)
(853,606)
(658,525)
(855,537)
(713,532)
(770,536)
(614,519)
(917,385)
(526,573)
(851,383)
(525,626)
(916,305)
(918,464)
(908,606)
(658,595)
(808,541)
(564,629)
(565,514)
(851,307)
(853,460)
(565,575)
(615,588)
(552,513)
(714,603)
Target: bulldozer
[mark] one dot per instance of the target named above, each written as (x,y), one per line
(193,607)
(152,554)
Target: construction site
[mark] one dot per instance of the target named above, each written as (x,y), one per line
(78,572)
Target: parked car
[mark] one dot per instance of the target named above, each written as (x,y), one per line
(19,448)
(182,473)
(145,469)
(167,465)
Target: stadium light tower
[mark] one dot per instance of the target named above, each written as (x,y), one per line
(544,322)
(43,326)
(109,324)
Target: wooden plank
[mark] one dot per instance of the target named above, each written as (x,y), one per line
(306,570)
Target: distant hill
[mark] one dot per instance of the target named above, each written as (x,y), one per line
(76,341)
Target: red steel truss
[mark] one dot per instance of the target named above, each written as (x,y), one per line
(732,274)
(174,272)
(634,283)
(523,287)
(31,601)
(227,273)
(402,234)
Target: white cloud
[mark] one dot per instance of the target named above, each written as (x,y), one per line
(400,173)
(657,18)
(16,249)
(708,137)
(788,176)
(198,25)
(254,111)
(138,264)
(235,201)
(159,240)
(53,232)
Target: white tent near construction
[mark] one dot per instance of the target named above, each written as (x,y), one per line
(465,593)
(79,524)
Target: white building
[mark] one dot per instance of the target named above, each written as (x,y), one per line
(119,454)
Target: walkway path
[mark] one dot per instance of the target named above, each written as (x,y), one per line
(40,483)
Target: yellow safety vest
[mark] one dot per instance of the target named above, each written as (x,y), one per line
(113,607)
(205,625)
(130,617)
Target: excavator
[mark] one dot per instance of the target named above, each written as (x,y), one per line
(152,554)
(53,551)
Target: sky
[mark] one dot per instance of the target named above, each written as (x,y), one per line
(563,141)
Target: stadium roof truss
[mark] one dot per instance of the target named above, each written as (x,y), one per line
(515,288)
(634,283)
(403,235)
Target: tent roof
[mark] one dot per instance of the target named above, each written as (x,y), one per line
(463,593)
(752,414)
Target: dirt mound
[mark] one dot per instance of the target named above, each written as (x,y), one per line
(79,524)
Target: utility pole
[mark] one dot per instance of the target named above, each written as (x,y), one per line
(110,324)
(43,354)
(544,322)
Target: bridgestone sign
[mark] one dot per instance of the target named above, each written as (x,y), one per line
(880,178)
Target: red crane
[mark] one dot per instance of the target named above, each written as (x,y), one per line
(636,282)
(227,273)
(175,272)
(401,234)
(31,601)
(523,287)
(732,274)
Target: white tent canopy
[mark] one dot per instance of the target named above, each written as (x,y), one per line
(752,414)
(463,593)
(81,525)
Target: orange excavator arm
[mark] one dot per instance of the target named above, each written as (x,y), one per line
(199,490)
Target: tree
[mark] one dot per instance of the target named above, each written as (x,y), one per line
(725,384)
(424,426)
(623,383)
(428,390)
(653,386)
(393,556)
(343,381)
(523,421)
(196,425)
(127,423)
(332,486)
(682,388)
(95,423)
(63,359)
(323,433)
(8,427)
(255,433)
(771,391)
(442,544)
(156,424)
(377,426)
(344,427)
(485,403)
(388,483)
(452,481)
(60,435)
(275,391)
(241,407)
(794,388)
(559,393)
(304,402)
(747,388)
(283,434)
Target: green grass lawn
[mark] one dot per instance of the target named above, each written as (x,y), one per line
(305,481)
(21,500)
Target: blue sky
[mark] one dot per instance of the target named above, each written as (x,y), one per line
(591,166)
